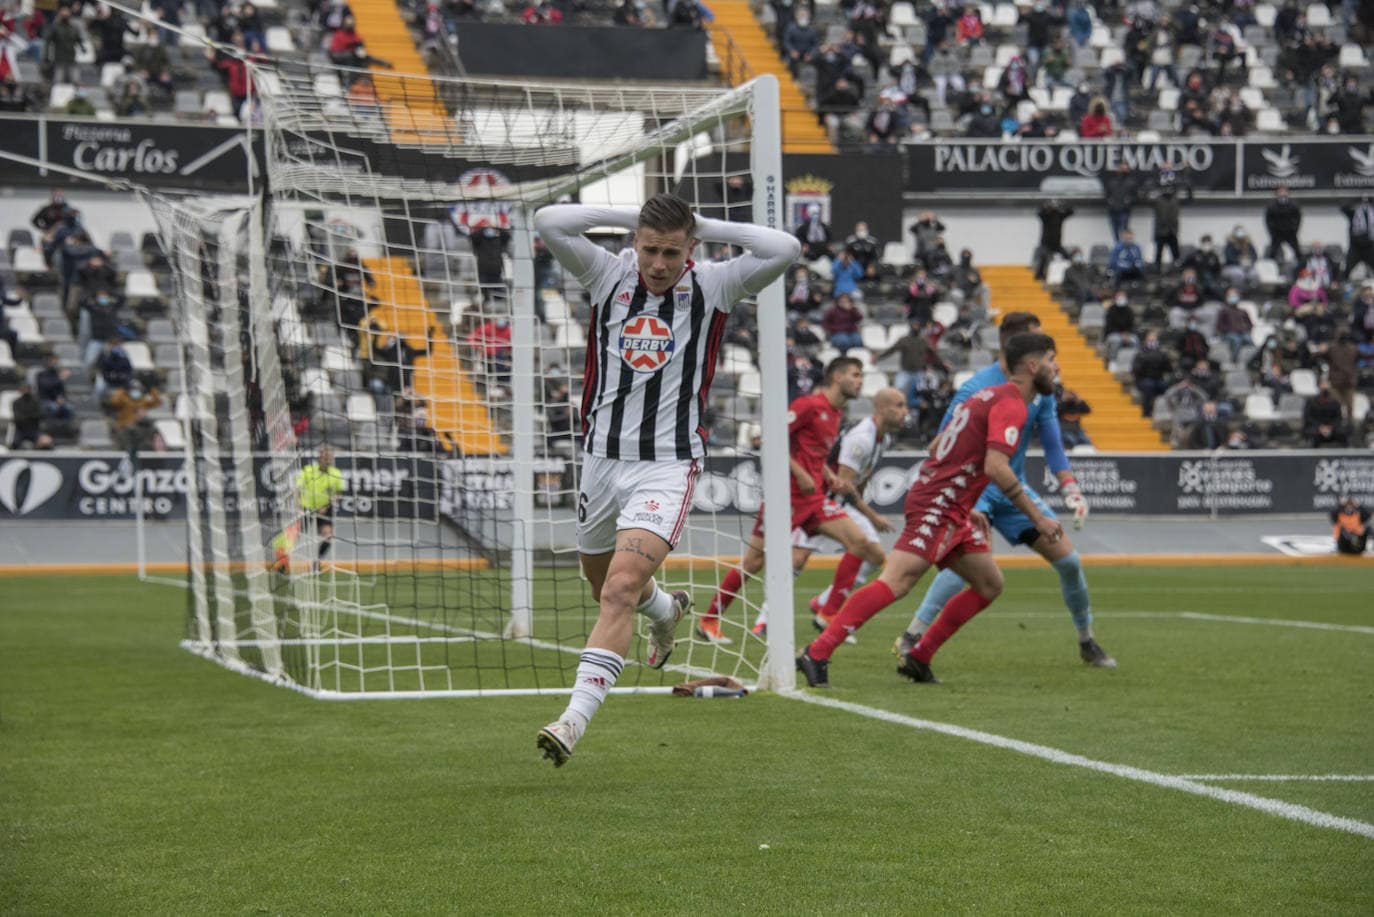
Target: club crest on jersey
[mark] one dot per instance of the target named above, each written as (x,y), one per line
(646,344)
(682,297)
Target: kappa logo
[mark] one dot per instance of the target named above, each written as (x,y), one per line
(646,344)
(651,505)
(1282,164)
(25,485)
(1364,160)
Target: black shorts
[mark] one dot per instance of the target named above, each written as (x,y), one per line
(322,517)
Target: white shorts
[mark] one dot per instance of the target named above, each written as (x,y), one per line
(616,494)
(814,542)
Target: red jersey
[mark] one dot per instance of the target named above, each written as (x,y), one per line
(952,478)
(813,424)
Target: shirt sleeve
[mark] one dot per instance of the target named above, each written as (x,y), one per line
(1005,420)
(799,415)
(561,227)
(966,391)
(855,450)
(767,253)
(1051,437)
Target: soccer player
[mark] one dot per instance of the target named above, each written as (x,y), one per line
(813,425)
(316,487)
(860,450)
(976,445)
(656,327)
(1016,527)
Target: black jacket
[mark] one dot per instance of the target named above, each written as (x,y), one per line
(1283,218)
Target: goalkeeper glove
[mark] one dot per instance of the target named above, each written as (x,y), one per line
(1073,499)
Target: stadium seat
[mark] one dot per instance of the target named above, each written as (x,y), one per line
(1262,78)
(28,261)
(139,286)
(902,15)
(7,399)
(874,336)
(1161,121)
(361,408)
(160,331)
(1267,270)
(1091,320)
(171,433)
(1162,416)
(1054,275)
(186,103)
(26,327)
(7,364)
(1318,16)
(1112,56)
(1268,120)
(992,75)
(1121,365)
(1083,449)
(1260,407)
(316,381)
(1352,57)
(217,103)
(109,73)
(570,335)
(946,313)
(1303,382)
(55,329)
(745,433)
(1148,136)
(1101,36)
(895,255)
(338,359)
(863,355)
(1290,408)
(1167,100)
(1360,409)
(874,380)
(1252,98)
(95,434)
(749,385)
(1265,14)
(1005,52)
(1004,16)
(60,95)
(139,356)
(1238,383)
(279,40)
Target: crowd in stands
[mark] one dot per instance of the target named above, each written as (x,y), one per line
(881,72)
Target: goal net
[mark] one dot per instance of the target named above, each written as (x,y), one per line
(387,299)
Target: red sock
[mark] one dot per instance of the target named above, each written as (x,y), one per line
(954,615)
(729,588)
(845,575)
(861,606)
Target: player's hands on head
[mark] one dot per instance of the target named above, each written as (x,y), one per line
(1074,500)
(980,522)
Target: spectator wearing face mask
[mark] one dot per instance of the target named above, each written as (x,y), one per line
(1210,430)
(1118,327)
(814,235)
(1184,299)
(865,248)
(1127,262)
(1084,282)
(925,231)
(1325,270)
(1206,263)
(841,322)
(1168,206)
(1239,258)
(114,370)
(968,281)
(1233,324)
(800,42)
(1305,290)
(1152,369)
(921,296)
(133,430)
(1097,123)
(51,388)
(99,321)
(1119,189)
(26,427)
(1283,218)
(1322,421)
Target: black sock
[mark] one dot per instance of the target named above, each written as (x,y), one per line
(324,547)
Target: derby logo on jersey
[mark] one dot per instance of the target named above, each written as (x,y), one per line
(646,344)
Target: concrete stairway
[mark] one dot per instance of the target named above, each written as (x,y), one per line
(1115,423)
(745,51)
(454,407)
(412,107)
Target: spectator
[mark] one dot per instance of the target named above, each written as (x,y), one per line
(7,333)
(845,274)
(92,274)
(1343,371)
(814,234)
(1014,83)
(27,426)
(939,261)
(1325,270)
(1072,410)
(114,371)
(54,214)
(1151,369)
(99,321)
(1184,399)
(1347,106)
(1079,103)
(687,14)
(133,430)
(110,27)
(1118,326)
(60,46)
(800,42)
(1322,420)
(1120,191)
(1240,256)
(864,248)
(1206,264)
(491,341)
(1126,263)
(946,71)
(489,243)
(153,65)
(933,396)
(51,383)
(1362,315)
(841,323)
(169,13)
(1320,325)
(803,375)
(129,100)
(887,123)
(1283,218)
(926,230)
(1084,282)
(967,281)
(1041,23)
(629,13)
(804,335)
(1036,129)
(1210,430)
(1184,299)
(1162,56)
(969,29)
(559,418)
(802,295)
(1361,243)
(541,12)
(1052,214)
(1167,207)
(917,356)
(1305,290)
(1350,526)
(1056,64)
(250,25)
(922,295)
(1206,378)
(1097,123)
(842,98)
(1080,24)
(1233,324)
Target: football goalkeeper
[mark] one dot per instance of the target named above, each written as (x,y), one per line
(316,487)
(1042,422)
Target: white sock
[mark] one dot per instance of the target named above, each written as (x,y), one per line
(865,571)
(825,596)
(658,607)
(596,675)
(1085,634)
(762,616)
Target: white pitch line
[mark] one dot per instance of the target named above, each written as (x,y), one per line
(1283,778)
(1276,807)
(1277,622)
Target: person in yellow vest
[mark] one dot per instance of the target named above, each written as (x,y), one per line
(316,487)
(1350,526)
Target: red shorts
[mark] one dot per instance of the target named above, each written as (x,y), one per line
(808,515)
(937,536)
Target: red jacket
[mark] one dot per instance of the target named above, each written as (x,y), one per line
(238,76)
(344,40)
(1095,126)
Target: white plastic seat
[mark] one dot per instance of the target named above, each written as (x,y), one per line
(217,102)
(1318,16)
(749,385)
(26,327)
(7,399)
(1005,53)
(1268,120)
(1267,271)
(895,255)
(327,85)
(1004,16)
(1265,14)
(1168,100)
(1352,57)
(6,358)
(361,408)
(1360,408)
(316,381)
(1262,78)
(902,14)
(1259,406)
(139,285)
(874,336)
(61,94)
(570,335)
(171,433)
(337,359)
(1304,382)
(946,313)
(279,40)
(874,381)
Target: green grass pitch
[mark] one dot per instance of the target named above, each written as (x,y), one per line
(136,778)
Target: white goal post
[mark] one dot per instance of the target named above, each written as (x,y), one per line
(361,302)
